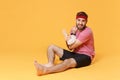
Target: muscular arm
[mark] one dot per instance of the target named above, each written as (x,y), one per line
(75,45)
(81,38)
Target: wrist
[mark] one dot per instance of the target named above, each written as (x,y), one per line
(73,34)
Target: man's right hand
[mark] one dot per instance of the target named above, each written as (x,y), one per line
(66,36)
(73,30)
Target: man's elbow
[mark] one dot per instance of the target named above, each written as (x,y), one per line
(70,47)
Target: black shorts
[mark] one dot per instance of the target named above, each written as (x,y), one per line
(81,59)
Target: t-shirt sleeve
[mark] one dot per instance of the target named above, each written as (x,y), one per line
(84,35)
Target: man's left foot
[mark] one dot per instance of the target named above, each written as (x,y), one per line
(40,69)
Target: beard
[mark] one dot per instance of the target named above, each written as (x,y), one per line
(80,26)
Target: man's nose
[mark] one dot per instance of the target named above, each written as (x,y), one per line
(80,22)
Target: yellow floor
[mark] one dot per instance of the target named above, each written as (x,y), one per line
(28,27)
(20,67)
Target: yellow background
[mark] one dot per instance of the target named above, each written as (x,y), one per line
(28,27)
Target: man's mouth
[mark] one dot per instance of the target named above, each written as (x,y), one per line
(80,25)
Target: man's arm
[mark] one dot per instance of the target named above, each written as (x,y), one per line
(76,44)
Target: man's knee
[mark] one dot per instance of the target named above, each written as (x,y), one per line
(51,46)
(54,48)
(70,62)
(57,50)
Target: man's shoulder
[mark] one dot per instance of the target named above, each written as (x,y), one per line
(88,29)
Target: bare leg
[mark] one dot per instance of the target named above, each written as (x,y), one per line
(52,50)
(66,64)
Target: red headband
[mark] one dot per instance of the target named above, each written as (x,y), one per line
(81,16)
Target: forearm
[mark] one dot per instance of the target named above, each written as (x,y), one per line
(70,41)
(76,44)
(68,46)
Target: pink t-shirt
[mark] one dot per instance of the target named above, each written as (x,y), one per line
(87,46)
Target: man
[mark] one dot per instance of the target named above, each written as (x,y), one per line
(82,52)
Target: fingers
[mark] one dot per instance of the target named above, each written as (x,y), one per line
(65,34)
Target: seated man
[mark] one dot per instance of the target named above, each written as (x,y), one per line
(82,48)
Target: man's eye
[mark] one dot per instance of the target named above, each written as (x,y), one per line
(83,20)
(78,19)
